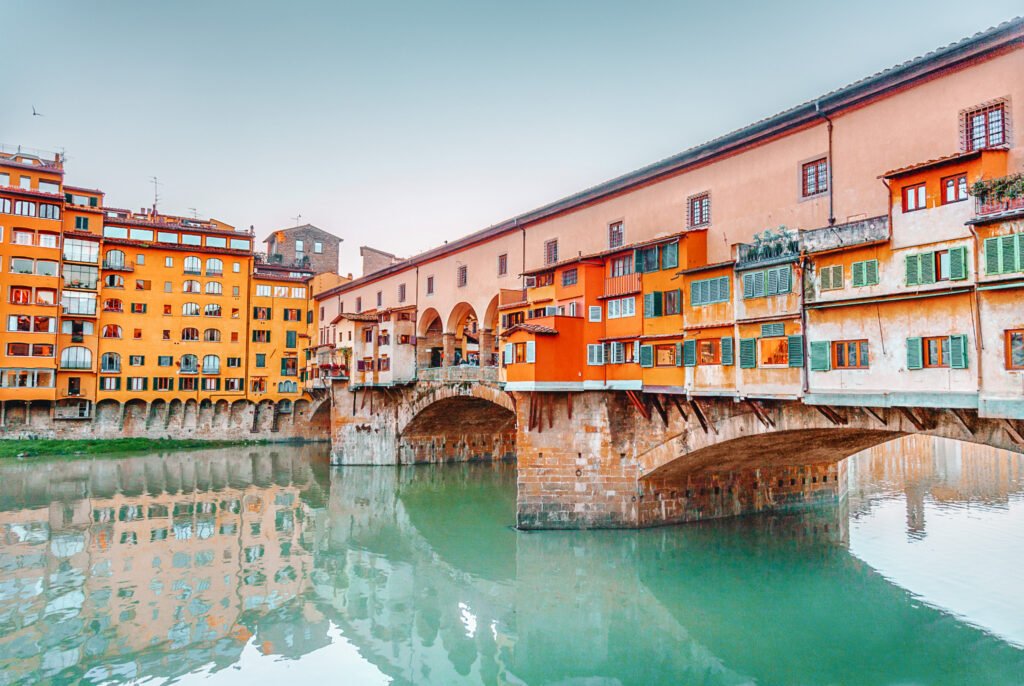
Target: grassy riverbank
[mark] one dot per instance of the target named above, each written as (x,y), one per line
(74,449)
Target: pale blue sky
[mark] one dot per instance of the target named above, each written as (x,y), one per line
(401,124)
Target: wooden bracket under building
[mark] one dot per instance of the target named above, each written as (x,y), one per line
(880,417)
(760,414)
(661,410)
(909,414)
(638,404)
(698,411)
(962,421)
(679,406)
(568,404)
(831,414)
(1012,431)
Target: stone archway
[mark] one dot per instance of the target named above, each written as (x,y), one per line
(429,343)
(458,428)
(462,336)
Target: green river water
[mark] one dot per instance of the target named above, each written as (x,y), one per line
(263,565)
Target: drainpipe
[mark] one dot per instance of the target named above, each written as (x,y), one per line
(804,372)
(978,342)
(831,199)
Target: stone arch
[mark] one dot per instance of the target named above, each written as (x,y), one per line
(238,411)
(108,413)
(221,414)
(430,339)
(460,422)
(134,414)
(175,410)
(463,330)
(319,420)
(190,415)
(264,418)
(157,412)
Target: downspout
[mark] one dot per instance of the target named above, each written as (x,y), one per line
(831,198)
(979,344)
(805,371)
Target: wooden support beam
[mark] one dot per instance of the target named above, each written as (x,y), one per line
(568,404)
(1011,430)
(638,404)
(761,414)
(679,406)
(880,417)
(906,412)
(365,393)
(532,412)
(831,414)
(661,410)
(698,410)
(962,421)
(551,411)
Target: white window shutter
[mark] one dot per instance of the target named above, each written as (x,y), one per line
(531,351)
(595,313)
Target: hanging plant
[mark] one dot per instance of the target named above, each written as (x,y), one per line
(997,190)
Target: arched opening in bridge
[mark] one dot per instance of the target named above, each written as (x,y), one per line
(464,333)
(430,343)
(488,341)
(459,428)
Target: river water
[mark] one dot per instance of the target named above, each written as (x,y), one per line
(259,565)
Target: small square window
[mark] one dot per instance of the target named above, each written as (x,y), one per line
(698,210)
(914,197)
(616,235)
(814,177)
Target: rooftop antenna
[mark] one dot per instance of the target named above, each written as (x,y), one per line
(195,214)
(297,218)
(156,191)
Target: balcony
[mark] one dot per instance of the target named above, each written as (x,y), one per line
(622,285)
(773,246)
(117,266)
(998,206)
(845,235)
(509,296)
(458,374)
(1000,195)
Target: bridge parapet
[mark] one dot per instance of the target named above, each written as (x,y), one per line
(459,374)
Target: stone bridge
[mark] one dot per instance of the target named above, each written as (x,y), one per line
(632,459)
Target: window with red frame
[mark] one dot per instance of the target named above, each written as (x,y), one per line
(814,177)
(551,251)
(985,127)
(616,235)
(699,210)
(954,189)
(914,197)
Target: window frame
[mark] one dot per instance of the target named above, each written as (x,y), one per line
(715,349)
(1008,341)
(861,352)
(616,234)
(915,189)
(819,168)
(945,355)
(698,210)
(969,131)
(961,185)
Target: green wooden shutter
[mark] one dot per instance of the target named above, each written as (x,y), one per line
(991,248)
(773,330)
(93,202)
(638,262)
(821,356)
(1008,255)
(723,285)
(646,355)
(748,353)
(958,264)
(913,270)
(871,273)
(796,351)
(695,298)
(958,351)
(826,278)
(785,279)
(773,282)
(679,354)
(670,256)
(291,339)
(926,263)
(690,353)
(759,289)
(1020,251)
(858,274)
(727,351)
(748,285)
(648,305)
(531,351)
(659,300)
(914,353)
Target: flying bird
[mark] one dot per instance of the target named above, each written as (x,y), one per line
(34,113)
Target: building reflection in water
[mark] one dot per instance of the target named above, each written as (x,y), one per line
(164,566)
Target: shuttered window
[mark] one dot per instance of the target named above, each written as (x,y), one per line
(690,353)
(652,304)
(709,291)
(937,351)
(748,353)
(796,351)
(771,330)
(727,351)
(832,277)
(646,260)
(774,281)
(821,356)
(531,352)
(1004,254)
(930,267)
(646,355)
(865,273)
(670,256)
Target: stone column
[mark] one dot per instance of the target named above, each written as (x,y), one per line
(448,342)
(486,347)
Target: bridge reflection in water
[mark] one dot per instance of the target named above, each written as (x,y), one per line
(190,564)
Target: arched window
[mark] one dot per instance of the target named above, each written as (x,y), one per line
(189,364)
(214,267)
(214,288)
(212,310)
(113,305)
(114,259)
(192,286)
(76,357)
(211,364)
(193,265)
(190,334)
(113,281)
(190,310)
(111,331)
(211,335)
(110,362)
(287,387)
